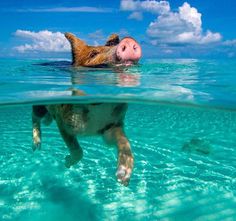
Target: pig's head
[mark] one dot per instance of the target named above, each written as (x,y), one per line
(115,52)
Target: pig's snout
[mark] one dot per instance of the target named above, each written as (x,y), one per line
(128,51)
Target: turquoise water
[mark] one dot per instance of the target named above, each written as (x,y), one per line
(181,123)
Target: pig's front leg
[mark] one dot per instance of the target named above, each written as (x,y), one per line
(117,136)
(36,132)
(38,113)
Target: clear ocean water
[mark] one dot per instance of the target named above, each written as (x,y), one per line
(181,123)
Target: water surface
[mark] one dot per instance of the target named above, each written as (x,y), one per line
(180,122)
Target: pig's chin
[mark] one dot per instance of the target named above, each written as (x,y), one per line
(128,63)
(120,62)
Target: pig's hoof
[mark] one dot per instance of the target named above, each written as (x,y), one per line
(124,168)
(123,175)
(36,145)
(36,139)
(71,160)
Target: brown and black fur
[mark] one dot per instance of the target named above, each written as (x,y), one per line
(104,119)
(93,56)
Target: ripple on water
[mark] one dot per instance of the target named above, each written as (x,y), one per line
(167,183)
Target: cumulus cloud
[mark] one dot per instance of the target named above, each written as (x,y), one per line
(184,26)
(152,6)
(170,27)
(44,41)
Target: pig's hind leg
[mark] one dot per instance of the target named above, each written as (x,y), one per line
(117,136)
(76,152)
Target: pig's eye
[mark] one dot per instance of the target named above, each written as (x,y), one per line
(93,54)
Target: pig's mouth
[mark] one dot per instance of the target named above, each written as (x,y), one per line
(125,63)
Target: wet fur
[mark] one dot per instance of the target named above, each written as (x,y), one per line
(104,119)
(92,56)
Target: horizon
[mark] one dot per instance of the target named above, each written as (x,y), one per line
(165,29)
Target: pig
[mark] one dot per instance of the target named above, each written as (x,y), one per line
(104,119)
(115,52)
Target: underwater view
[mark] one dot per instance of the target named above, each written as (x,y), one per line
(180,121)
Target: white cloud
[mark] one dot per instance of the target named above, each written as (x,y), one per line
(152,6)
(68,9)
(45,41)
(210,37)
(230,42)
(136,15)
(191,15)
(181,27)
(128,5)
(184,26)
(155,7)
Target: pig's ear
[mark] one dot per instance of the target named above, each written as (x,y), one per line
(74,40)
(77,48)
(113,40)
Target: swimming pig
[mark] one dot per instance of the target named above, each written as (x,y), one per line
(115,52)
(105,119)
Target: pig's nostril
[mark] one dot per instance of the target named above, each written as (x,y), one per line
(128,50)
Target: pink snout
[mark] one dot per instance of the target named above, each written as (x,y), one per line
(128,51)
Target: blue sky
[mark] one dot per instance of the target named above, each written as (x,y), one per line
(192,28)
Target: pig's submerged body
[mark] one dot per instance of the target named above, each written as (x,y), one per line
(89,119)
